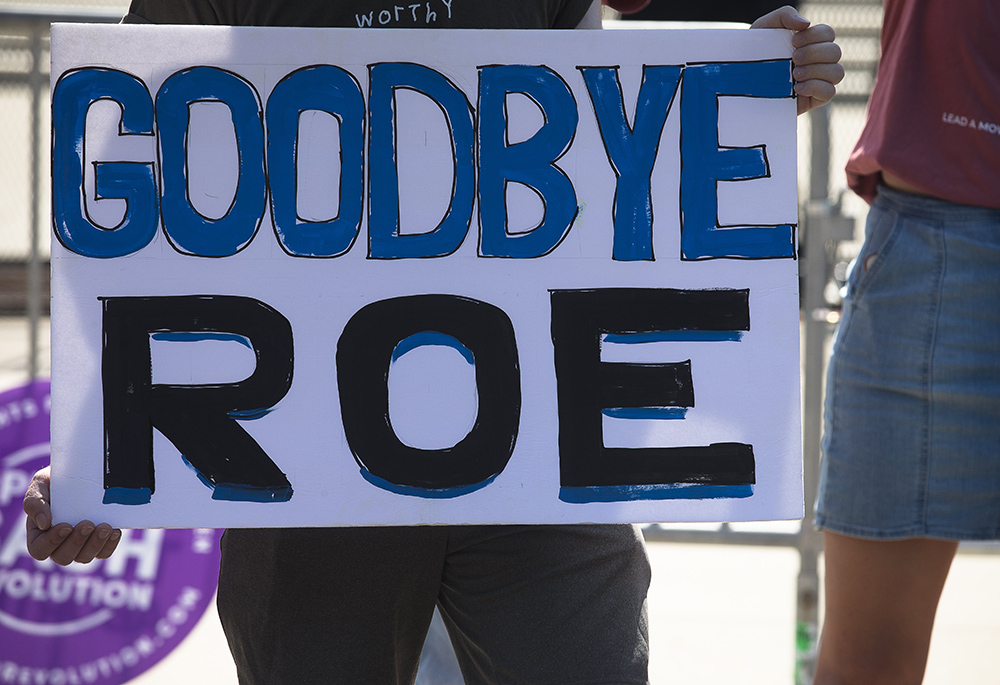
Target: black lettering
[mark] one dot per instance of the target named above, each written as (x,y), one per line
(364,355)
(200,420)
(587,387)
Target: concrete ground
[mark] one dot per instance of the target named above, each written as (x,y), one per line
(721,615)
(718,614)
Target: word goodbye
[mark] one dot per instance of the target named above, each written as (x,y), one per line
(485,160)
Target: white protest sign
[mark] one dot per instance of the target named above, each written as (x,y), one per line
(310,277)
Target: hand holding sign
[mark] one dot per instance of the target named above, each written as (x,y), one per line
(63,543)
(816,59)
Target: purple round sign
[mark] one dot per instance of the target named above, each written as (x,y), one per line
(104,622)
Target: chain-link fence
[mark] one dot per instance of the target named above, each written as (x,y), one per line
(20,112)
(857,24)
(24,140)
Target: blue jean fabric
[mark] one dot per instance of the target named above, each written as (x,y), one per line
(912,425)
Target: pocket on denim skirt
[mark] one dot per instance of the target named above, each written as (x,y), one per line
(880,236)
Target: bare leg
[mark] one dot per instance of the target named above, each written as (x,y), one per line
(881,597)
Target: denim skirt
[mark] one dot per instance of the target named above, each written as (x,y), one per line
(911,444)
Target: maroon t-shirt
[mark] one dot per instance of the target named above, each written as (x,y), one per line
(934,116)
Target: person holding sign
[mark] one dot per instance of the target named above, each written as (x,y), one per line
(525,604)
(910,461)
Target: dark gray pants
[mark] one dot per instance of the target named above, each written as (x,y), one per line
(523,604)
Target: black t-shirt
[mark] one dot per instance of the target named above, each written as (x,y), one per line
(489,14)
(719,10)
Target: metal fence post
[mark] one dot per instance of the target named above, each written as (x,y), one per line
(34,305)
(823,226)
(814,272)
